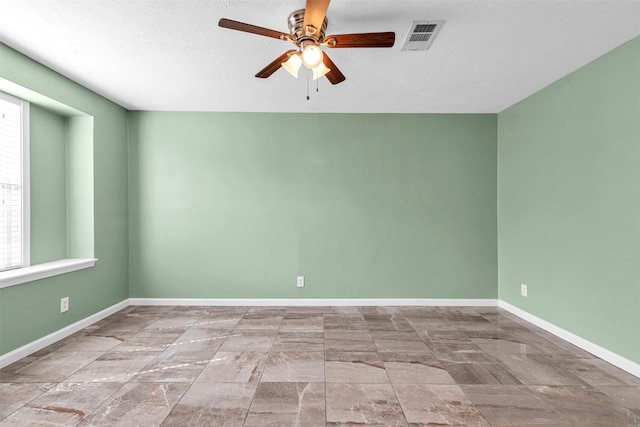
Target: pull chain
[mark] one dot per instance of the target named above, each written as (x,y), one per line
(310,72)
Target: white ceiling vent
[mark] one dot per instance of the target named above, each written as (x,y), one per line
(421,35)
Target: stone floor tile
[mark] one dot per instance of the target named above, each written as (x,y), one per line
(149,340)
(288,404)
(410,357)
(174,321)
(7,373)
(504,405)
(395,322)
(426,404)
(307,366)
(537,369)
(149,309)
(64,404)
(625,396)
(588,372)
(137,404)
(92,343)
(461,352)
(249,340)
(345,322)
(234,367)
(259,322)
(294,366)
(264,312)
(208,405)
(54,367)
(614,371)
(540,341)
(142,342)
(114,367)
(195,310)
(227,311)
(506,345)
(120,327)
(349,345)
(172,366)
(385,345)
(481,373)
(196,339)
(348,335)
(311,324)
(15,395)
(363,404)
(410,335)
(585,406)
(352,367)
(417,373)
(298,341)
(218,321)
(292,312)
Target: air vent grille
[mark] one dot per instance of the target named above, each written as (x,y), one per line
(421,35)
(424,28)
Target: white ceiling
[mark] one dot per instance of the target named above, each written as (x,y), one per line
(171,54)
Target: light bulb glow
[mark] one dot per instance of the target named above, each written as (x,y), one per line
(292,65)
(312,56)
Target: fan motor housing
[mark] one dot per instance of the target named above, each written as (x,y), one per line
(300,33)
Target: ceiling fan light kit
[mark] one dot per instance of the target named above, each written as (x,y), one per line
(320,71)
(311,55)
(307,29)
(292,65)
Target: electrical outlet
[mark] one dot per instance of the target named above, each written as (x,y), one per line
(300,281)
(523,290)
(64,304)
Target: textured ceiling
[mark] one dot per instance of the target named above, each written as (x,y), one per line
(171,55)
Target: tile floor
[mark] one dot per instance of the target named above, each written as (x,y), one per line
(315,366)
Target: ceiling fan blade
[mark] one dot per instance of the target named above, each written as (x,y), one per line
(253,29)
(314,14)
(335,76)
(361,40)
(274,66)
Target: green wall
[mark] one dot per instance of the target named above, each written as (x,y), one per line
(31,310)
(61,173)
(80,182)
(569,202)
(48,186)
(236,205)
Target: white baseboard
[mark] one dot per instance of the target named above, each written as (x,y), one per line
(39,344)
(604,354)
(315,302)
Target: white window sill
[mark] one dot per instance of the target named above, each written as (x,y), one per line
(42,271)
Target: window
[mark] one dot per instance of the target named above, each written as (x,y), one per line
(14,182)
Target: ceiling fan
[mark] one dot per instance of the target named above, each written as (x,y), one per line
(307,31)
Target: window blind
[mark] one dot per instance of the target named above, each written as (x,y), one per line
(11,183)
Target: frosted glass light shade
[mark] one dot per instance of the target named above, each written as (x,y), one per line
(320,71)
(292,65)
(311,56)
